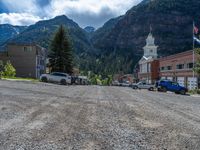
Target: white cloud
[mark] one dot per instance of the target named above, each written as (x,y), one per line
(21,6)
(82,11)
(18,18)
(94,6)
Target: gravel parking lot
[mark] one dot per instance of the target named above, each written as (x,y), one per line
(38,116)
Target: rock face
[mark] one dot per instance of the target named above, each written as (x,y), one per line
(171,22)
(89,29)
(103,31)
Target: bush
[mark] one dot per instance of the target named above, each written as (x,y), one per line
(196,91)
(1,68)
(9,70)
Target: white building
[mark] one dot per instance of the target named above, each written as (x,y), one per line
(149,64)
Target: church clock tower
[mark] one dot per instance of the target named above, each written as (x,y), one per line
(150,50)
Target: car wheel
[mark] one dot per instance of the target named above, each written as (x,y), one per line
(63,82)
(134,87)
(44,79)
(164,89)
(151,89)
(182,92)
(177,93)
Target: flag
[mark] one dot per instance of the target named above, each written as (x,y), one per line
(196,30)
(196,39)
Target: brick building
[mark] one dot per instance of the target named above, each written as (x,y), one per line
(149,64)
(179,68)
(29,60)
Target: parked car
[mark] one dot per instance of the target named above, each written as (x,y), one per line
(56,77)
(143,85)
(115,83)
(166,85)
(125,84)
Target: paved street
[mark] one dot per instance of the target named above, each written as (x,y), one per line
(38,116)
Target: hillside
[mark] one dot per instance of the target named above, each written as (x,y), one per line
(42,32)
(105,29)
(171,21)
(8,31)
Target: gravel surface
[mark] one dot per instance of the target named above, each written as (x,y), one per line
(38,116)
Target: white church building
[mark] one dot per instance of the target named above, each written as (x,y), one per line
(149,64)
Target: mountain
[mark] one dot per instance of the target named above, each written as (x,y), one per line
(171,22)
(8,31)
(103,31)
(118,45)
(89,29)
(42,32)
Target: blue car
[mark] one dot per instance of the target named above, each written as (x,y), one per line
(166,85)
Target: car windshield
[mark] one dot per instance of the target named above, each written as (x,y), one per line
(174,83)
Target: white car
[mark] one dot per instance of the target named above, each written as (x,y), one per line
(143,85)
(56,77)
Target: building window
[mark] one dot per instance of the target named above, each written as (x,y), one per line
(169,67)
(180,66)
(166,68)
(27,49)
(190,66)
(162,68)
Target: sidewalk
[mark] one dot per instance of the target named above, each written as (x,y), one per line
(26,80)
(195,95)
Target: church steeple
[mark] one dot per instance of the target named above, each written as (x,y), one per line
(150,50)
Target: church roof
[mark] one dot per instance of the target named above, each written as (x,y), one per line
(146,59)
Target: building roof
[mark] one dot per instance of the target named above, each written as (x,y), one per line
(186,53)
(23,44)
(146,59)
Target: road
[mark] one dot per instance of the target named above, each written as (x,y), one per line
(38,116)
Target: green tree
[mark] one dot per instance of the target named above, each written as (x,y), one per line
(1,68)
(110,78)
(9,70)
(197,66)
(60,57)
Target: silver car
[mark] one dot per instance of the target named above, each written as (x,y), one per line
(143,85)
(56,77)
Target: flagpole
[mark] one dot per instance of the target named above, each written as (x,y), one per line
(193,52)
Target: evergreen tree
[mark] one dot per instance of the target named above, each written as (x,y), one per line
(60,57)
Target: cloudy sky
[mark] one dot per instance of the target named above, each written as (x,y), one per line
(84,12)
